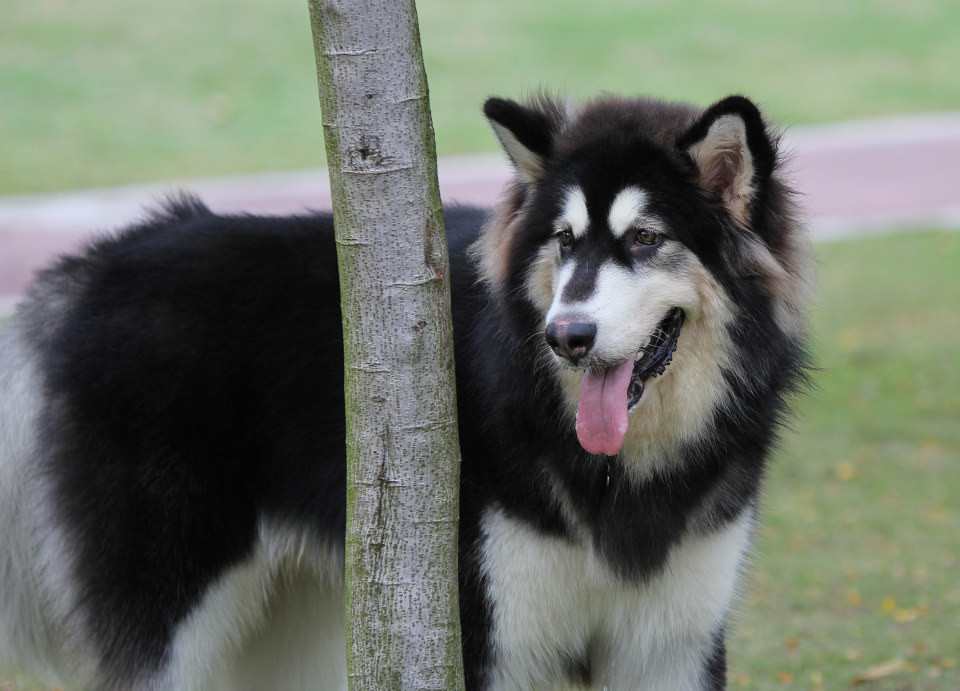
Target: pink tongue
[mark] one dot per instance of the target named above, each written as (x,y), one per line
(602,415)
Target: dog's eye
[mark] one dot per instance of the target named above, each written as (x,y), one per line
(566,237)
(645,236)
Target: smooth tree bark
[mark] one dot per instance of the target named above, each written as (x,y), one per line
(403,457)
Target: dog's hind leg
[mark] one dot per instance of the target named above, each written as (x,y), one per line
(301,644)
(273,621)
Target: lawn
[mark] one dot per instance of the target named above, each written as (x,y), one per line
(859,558)
(857,572)
(108,91)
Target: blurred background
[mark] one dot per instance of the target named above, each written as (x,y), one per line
(856,578)
(106,92)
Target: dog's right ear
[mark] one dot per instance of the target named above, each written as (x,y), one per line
(526,134)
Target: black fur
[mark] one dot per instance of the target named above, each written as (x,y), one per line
(185,421)
(533,127)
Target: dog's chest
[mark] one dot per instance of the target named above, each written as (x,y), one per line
(557,607)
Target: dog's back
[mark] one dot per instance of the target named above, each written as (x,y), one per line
(172,465)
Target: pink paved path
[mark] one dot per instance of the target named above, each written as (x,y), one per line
(855,178)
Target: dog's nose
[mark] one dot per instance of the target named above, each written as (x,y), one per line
(571,339)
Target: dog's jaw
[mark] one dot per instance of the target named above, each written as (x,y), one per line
(653,358)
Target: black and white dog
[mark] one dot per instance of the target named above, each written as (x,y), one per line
(628,322)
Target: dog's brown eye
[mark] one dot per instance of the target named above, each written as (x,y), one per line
(645,236)
(566,237)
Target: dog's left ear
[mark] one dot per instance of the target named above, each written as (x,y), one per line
(732,152)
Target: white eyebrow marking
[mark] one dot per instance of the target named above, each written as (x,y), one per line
(625,209)
(574,212)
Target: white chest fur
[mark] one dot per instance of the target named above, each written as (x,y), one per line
(555,603)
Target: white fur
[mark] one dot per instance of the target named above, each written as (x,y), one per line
(529,165)
(39,622)
(726,164)
(627,305)
(301,646)
(542,276)
(556,601)
(274,621)
(563,276)
(626,210)
(574,212)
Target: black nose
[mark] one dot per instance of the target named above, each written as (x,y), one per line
(571,339)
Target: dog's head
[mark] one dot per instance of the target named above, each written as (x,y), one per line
(641,233)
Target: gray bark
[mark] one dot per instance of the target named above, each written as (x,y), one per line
(403,457)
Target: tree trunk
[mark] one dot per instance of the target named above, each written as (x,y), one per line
(403,458)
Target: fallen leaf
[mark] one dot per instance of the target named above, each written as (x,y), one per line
(887,669)
(905,615)
(845,470)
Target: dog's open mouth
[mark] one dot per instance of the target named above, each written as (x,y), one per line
(607,395)
(652,360)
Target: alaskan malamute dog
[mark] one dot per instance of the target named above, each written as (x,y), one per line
(629,321)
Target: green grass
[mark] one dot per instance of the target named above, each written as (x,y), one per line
(860,542)
(108,91)
(859,550)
